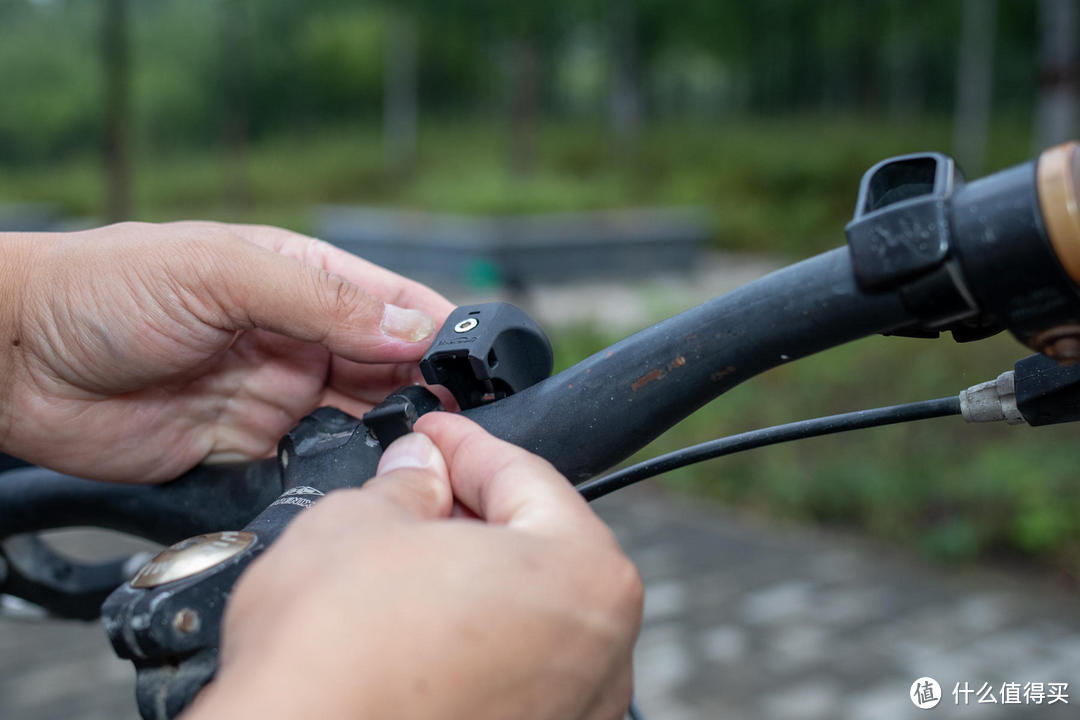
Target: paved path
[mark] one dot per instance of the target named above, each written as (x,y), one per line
(745,620)
(750,620)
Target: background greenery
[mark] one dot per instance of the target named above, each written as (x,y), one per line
(763,113)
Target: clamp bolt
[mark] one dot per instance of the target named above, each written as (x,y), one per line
(466,325)
(186,621)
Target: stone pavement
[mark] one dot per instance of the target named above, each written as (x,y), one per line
(750,620)
(745,620)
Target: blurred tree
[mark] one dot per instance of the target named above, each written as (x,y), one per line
(116,55)
(1056,120)
(234,67)
(974,81)
(904,48)
(524,101)
(625,80)
(400,93)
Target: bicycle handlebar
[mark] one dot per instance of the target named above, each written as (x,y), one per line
(600,411)
(204,499)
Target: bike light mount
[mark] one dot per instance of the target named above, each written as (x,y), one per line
(970,258)
(486,352)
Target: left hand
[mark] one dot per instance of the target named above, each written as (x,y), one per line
(136,351)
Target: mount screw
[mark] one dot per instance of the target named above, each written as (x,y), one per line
(186,621)
(466,325)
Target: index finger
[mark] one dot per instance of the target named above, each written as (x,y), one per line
(382,283)
(504,484)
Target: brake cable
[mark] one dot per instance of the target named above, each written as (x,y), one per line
(1037,391)
(814,427)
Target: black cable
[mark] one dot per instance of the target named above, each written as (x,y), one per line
(827,425)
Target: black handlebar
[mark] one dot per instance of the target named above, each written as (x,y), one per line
(204,499)
(600,411)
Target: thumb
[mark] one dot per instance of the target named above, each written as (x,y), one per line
(259,288)
(412,481)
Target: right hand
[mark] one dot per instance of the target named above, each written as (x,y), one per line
(467,580)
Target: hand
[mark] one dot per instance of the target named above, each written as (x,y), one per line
(136,351)
(395,601)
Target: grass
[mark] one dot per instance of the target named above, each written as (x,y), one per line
(782,186)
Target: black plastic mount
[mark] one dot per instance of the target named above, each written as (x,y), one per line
(395,415)
(901,226)
(972,258)
(486,352)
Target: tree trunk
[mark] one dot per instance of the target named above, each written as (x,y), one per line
(116,56)
(400,101)
(625,97)
(974,77)
(235,108)
(524,104)
(1056,120)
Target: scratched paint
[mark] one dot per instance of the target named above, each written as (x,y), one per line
(721,374)
(657,373)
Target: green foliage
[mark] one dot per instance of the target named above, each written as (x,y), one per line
(294,64)
(783,186)
(51,96)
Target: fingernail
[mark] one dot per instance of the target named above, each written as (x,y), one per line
(405,324)
(414,450)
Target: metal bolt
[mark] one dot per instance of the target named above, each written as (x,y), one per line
(466,325)
(186,621)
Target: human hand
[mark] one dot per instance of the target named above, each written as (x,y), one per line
(136,351)
(393,600)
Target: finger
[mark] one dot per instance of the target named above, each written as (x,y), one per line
(380,282)
(504,484)
(614,695)
(371,383)
(258,288)
(412,481)
(463,513)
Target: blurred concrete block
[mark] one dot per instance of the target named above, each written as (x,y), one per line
(29,218)
(455,251)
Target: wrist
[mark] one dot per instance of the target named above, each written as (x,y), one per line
(18,254)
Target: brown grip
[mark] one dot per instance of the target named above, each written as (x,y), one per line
(1058,182)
